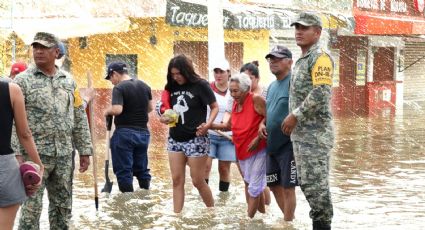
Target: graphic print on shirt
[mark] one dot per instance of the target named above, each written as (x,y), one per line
(181,107)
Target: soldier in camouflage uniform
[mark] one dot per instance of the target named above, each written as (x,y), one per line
(310,119)
(56,118)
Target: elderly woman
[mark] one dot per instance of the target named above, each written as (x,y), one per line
(12,190)
(188,141)
(251,69)
(248,111)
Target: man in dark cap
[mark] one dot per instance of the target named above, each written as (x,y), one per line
(281,171)
(56,118)
(131,104)
(310,119)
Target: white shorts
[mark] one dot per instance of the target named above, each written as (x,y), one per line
(254,172)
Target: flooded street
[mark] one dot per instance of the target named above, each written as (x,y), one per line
(378,166)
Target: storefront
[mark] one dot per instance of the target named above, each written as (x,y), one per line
(151,42)
(371,80)
(413,66)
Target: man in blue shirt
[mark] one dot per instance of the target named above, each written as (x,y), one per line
(281,169)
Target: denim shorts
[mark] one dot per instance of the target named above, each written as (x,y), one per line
(222,149)
(196,147)
(12,189)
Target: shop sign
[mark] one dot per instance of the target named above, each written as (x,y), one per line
(383,6)
(180,13)
(340,6)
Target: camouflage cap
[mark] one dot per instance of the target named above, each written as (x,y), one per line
(45,39)
(307,19)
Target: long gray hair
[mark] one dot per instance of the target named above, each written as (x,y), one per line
(243,80)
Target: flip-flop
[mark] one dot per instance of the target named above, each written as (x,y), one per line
(30,176)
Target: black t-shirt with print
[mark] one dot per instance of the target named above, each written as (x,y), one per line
(190,101)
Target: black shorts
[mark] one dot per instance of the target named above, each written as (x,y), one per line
(281,169)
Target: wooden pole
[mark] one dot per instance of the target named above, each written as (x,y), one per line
(92,131)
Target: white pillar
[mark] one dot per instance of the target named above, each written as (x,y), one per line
(370,58)
(215,34)
(399,77)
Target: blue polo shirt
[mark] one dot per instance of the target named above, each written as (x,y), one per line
(277,105)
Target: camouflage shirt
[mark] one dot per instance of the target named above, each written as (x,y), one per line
(55,112)
(310,95)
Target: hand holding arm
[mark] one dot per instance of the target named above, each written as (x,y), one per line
(203,128)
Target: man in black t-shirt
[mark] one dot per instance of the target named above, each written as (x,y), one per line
(131,103)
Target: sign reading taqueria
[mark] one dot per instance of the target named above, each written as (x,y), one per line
(194,15)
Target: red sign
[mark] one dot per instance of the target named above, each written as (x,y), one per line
(384,7)
(419,5)
(389,17)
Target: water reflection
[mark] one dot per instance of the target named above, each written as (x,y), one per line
(378,166)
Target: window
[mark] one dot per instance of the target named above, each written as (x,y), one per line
(129,59)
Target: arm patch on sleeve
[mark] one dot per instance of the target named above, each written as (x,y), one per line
(78,101)
(322,70)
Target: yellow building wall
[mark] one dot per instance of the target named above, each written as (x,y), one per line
(22,52)
(256,47)
(153,59)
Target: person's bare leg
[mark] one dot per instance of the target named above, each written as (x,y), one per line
(285,199)
(7,216)
(178,168)
(208,169)
(290,203)
(253,203)
(261,204)
(197,167)
(246,184)
(279,197)
(267,197)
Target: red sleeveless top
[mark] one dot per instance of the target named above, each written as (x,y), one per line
(245,128)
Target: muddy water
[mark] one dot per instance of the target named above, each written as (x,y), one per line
(377,179)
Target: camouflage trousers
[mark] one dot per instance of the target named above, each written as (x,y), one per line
(57,180)
(312,161)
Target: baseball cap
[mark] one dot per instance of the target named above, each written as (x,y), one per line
(307,19)
(45,39)
(119,67)
(17,67)
(223,64)
(280,52)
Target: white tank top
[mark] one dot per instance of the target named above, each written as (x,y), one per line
(222,102)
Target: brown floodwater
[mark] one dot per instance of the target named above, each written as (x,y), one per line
(377,182)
